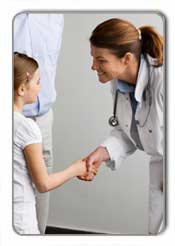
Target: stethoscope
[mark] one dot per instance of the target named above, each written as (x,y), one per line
(113,121)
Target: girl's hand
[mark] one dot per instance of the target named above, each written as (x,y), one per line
(93,161)
(80,168)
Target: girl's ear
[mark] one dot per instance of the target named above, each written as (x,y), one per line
(21,90)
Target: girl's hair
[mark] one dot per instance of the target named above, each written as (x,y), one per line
(121,36)
(23,64)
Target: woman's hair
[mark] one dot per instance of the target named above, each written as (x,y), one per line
(23,64)
(121,36)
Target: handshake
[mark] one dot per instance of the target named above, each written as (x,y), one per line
(89,166)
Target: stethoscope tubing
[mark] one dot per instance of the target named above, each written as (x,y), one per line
(113,121)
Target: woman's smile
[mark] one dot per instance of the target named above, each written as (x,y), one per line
(100,73)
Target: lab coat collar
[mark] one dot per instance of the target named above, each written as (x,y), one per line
(142,79)
(143,76)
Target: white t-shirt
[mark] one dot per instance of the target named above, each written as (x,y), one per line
(26,132)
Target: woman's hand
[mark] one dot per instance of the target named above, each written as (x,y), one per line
(80,169)
(94,159)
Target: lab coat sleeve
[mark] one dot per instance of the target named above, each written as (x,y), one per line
(119,146)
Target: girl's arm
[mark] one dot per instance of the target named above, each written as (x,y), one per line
(40,177)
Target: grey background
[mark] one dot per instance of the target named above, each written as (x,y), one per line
(115,201)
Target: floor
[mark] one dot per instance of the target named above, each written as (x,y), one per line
(55,230)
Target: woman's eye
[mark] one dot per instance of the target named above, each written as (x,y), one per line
(102,61)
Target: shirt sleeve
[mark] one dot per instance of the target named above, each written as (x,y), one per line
(28,133)
(35,33)
(45,33)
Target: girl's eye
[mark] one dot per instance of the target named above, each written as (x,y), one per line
(38,82)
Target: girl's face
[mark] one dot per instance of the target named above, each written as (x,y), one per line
(32,88)
(107,65)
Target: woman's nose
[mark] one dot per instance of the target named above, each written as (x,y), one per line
(93,67)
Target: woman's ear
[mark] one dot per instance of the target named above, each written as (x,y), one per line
(128,58)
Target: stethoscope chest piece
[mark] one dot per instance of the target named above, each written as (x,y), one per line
(113,121)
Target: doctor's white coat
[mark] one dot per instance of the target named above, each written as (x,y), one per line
(150,125)
(148,116)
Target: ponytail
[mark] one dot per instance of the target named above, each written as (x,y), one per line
(121,36)
(152,44)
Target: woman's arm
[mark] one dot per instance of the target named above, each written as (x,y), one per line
(44,181)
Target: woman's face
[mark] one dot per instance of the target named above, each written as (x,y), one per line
(107,65)
(33,87)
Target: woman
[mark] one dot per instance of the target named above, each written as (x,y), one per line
(29,167)
(132,60)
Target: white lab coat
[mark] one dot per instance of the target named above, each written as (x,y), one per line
(150,128)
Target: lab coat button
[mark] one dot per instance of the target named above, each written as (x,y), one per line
(150,130)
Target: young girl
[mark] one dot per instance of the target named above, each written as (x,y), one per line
(29,167)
